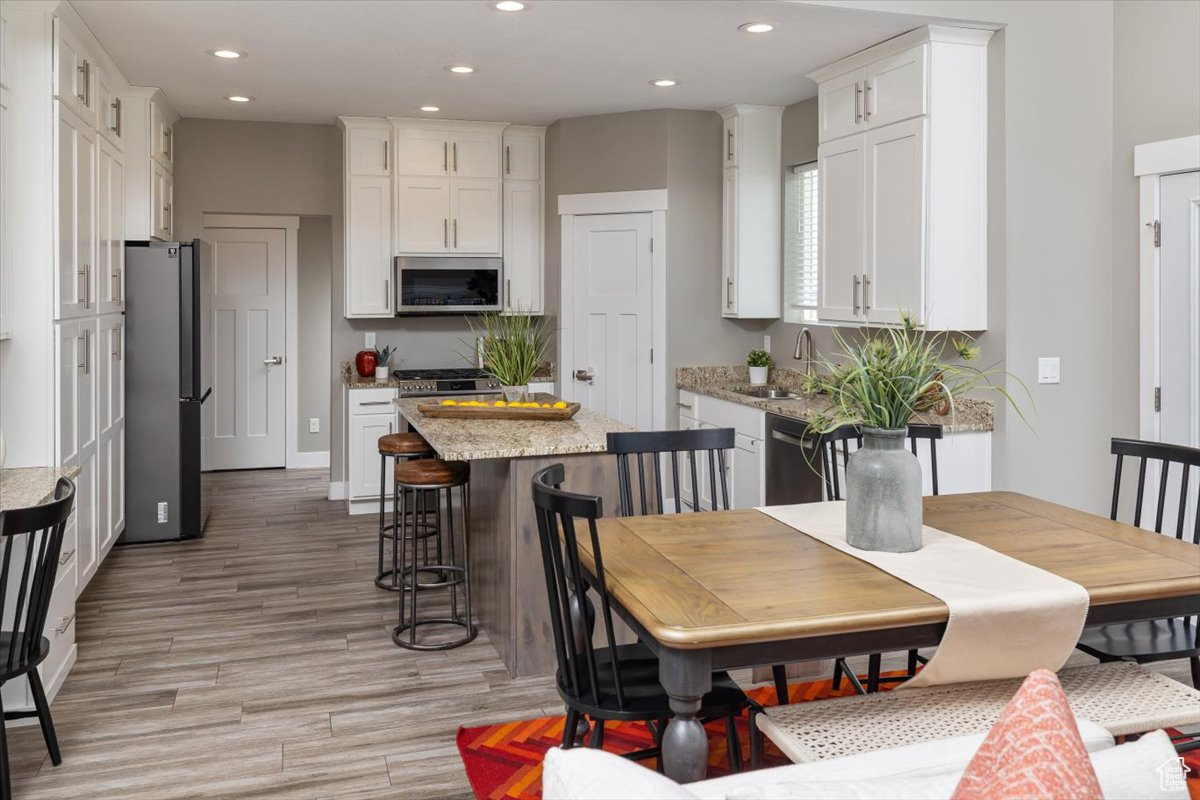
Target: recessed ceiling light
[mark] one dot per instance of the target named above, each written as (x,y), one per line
(756,27)
(664,82)
(430,108)
(227,54)
(509,5)
(239,98)
(460,69)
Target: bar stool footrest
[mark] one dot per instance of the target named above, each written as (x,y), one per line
(402,641)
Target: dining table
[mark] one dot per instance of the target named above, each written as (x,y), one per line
(734,589)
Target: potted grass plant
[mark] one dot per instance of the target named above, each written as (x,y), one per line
(383,362)
(760,363)
(511,348)
(880,381)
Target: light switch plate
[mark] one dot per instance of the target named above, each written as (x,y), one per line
(370,343)
(1048,370)
(314,424)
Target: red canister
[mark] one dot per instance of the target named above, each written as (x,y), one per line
(364,362)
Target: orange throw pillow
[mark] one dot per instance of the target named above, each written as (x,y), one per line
(1033,752)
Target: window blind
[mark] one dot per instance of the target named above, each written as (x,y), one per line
(800,244)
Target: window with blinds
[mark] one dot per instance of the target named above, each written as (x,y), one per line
(800,244)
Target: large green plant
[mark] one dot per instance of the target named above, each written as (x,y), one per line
(886,376)
(513,345)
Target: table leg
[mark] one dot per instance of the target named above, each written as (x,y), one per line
(687,677)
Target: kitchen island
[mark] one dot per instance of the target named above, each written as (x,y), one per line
(508,585)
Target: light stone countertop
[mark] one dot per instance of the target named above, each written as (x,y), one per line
(22,487)
(970,414)
(476,440)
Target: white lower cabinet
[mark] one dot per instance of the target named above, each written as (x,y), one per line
(744,464)
(371,415)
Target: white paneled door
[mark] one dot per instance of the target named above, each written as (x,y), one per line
(248,404)
(612,316)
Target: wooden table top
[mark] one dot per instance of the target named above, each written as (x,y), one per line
(736,577)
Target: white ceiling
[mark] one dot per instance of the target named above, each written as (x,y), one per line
(314,60)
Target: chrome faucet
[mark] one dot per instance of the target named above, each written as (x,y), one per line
(804,350)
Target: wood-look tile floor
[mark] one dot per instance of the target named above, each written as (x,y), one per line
(258,662)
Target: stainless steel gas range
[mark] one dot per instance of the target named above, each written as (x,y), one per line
(430,382)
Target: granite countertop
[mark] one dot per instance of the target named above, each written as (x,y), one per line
(970,413)
(353,380)
(22,487)
(475,440)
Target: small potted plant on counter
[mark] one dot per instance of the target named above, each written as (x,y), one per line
(512,347)
(760,363)
(383,360)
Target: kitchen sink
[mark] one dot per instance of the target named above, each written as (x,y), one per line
(764,393)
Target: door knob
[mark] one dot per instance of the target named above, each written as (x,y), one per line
(585,375)
(274,360)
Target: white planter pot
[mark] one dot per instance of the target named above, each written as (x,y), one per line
(758,375)
(381,374)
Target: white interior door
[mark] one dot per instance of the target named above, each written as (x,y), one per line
(612,316)
(1179,328)
(248,402)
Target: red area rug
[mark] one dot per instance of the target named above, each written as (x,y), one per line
(504,762)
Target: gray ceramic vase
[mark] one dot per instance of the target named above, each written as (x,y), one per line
(883,494)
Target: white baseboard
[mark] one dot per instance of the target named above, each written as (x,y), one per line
(337,490)
(315,460)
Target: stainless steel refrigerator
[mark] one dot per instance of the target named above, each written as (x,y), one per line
(167,380)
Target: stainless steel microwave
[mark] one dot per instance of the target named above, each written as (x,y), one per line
(447,285)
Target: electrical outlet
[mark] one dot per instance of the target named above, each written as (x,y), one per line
(314,424)
(162,513)
(767,342)
(370,344)
(1048,371)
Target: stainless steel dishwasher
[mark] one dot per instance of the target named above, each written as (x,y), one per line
(793,463)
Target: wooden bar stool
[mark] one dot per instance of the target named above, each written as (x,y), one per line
(396,446)
(435,476)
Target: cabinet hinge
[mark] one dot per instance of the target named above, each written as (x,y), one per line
(1157,226)
(1158,398)
(651,244)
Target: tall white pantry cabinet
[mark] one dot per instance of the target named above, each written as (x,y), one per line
(902,160)
(72,116)
(430,187)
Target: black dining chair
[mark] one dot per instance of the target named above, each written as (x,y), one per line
(612,682)
(30,543)
(1158,639)
(830,455)
(702,454)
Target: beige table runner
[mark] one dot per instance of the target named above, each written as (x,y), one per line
(1007,618)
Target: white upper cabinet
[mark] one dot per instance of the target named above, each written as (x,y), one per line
(369,289)
(895,87)
(110,224)
(903,224)
(523,264)
(74,72)
(751,252)
(523,154)
(77,273)
(108,109)
(475,216)
(367,150)
(470,152)
(841,224)
(422,215)
(148,128)
(475,154)
(839,105)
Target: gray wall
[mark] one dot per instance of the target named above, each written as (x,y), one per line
(274,168)
(1156,96)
